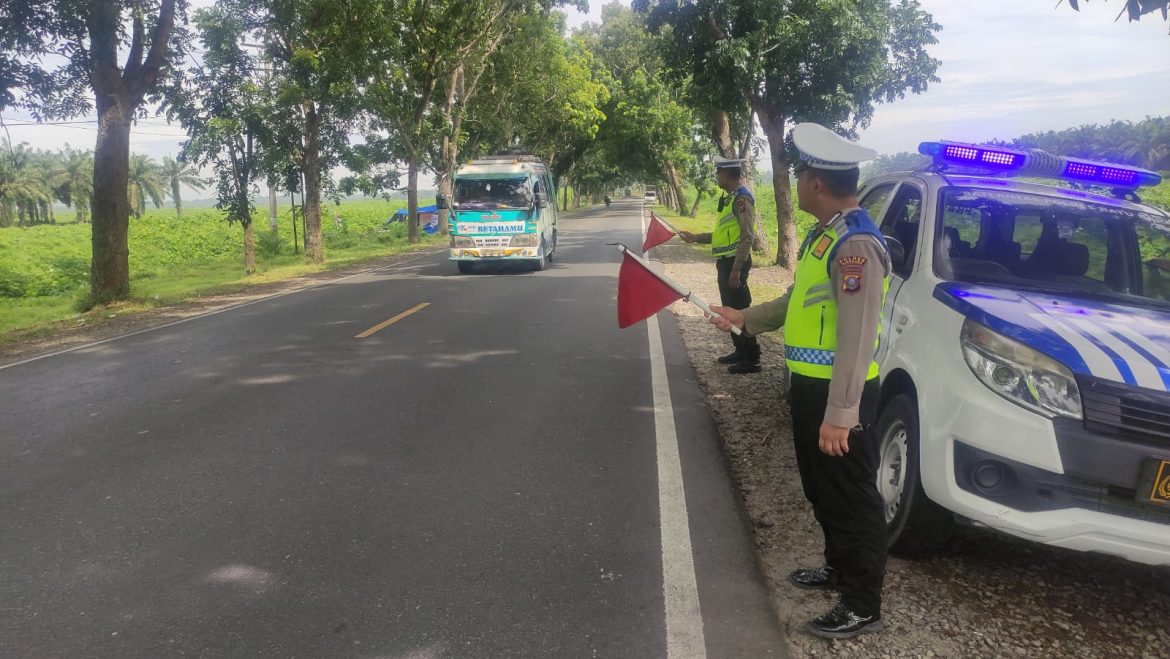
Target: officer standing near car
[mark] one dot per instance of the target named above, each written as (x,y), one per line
(831,319)
(731,245)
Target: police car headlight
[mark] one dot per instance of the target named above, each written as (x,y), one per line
(523,240)
(1020,374)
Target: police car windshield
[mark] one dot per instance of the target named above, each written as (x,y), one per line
(1061,245)
(490,194)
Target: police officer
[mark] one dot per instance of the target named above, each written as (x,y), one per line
(731,244)
(831,321)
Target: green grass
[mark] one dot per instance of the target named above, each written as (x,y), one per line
(44,270)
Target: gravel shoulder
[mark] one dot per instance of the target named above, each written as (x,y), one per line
(986,595)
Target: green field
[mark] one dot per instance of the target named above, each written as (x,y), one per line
(44,269)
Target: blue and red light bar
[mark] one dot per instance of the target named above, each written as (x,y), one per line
(1033,162)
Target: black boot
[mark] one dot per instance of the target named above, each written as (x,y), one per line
(814,579)
(730,358)
(744,367)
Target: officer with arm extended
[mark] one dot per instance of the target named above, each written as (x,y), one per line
(831,319)
(731,244)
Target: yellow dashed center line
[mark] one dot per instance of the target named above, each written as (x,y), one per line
(387,323)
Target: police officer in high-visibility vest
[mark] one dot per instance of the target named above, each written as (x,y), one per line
(731,245)
(831,318)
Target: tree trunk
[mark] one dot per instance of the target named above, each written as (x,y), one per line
(449,146)
(249,250)
(314,249)
(782,185)
(109,274)
(412,197)
(177,198)
(721,134)
(565,195)
(695,209)
(680,201)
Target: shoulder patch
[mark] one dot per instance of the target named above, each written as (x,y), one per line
(822,247)
(851,270)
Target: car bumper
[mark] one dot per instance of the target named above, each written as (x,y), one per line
(494,254)
(1005,468)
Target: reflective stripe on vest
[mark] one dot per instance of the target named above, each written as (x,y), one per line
(725,237)
(810,324)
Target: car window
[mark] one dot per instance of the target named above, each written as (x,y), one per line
(875,200)
(1038,242)
(901,223)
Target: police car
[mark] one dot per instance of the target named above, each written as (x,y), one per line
(1025,352)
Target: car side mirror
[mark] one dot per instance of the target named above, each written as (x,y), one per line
(441,202)
(897,253)
(541,200)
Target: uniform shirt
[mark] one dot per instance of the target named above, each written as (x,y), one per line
(745,213)
(859,311)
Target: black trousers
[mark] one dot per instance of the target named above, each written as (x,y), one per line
(843,492)
(738,298)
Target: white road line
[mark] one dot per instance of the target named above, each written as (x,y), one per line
(212,313)
(684,621)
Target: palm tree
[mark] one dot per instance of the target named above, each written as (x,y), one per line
(24,193)
(73,176)
(144,182)
(176,173)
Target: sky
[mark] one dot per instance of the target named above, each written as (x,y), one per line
(1009,67)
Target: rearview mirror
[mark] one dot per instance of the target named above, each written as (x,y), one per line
(541,200)
(441,201)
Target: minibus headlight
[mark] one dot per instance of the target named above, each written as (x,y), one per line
(462,242)
(523,240)
(1020,374)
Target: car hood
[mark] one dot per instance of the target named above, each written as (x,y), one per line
(1125,344)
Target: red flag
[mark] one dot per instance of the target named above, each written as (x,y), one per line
(641,293)
(657,233)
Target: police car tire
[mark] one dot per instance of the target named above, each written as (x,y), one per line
(464,266)
(920,527)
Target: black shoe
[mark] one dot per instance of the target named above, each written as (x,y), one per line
(745,367)
(840,622)
(814,579)
(729,358)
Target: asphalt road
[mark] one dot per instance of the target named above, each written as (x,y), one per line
(478,479)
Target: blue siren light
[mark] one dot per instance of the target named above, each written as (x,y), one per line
(1034,162)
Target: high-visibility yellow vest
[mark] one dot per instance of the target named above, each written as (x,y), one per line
(725,237)
(810,325)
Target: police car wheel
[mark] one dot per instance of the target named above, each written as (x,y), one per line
(915,525)
(464,266)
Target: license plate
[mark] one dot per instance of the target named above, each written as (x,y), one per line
(1154,485)
(492,252)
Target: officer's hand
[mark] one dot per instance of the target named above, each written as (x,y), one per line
(687,236)
(733,279)
(725,317)
(834,439)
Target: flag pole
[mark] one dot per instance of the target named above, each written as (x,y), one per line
(686,295)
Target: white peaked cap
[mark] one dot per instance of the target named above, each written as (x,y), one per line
(723,163)
(823,149)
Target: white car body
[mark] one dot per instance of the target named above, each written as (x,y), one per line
(1055,467)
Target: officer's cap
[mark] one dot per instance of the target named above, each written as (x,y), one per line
(821,148)
(729,163)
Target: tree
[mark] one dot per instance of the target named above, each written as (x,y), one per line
(177,173)
(804,60)
(903,161)
(81,41)
(316,52)
(222,108)
(1135,8)
(23,192)
(144,182)
(73,176)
